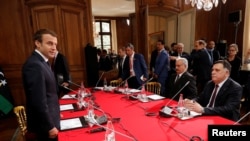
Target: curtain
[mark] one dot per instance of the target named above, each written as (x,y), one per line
(114,35)
(246,32)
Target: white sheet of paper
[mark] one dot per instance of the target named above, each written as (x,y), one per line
(134,90)
(70,123)
(155,97)
(67,96)
(66,107)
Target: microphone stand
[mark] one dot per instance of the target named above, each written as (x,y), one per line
(124,135)
(165,111)
(117,91)
(75,92)
(177,93)
(242,118)
(133,97)
(98,82)
(74,83)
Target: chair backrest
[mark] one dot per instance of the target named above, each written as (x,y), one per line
(154,87)
(21,118)
(115,83)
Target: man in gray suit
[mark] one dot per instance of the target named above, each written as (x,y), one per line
(42,105)
(221,95)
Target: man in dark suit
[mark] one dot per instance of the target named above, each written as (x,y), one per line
(215,54)
(179,53)
(61,72)
(123,64)
(137,68)
(161,66)
(42,105)
(178,80)
(221,96)
(201,64)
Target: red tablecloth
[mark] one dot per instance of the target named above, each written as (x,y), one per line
(134,121)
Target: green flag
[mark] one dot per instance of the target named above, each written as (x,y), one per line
(6,99)
(5,105)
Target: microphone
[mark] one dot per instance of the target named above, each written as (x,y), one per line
(238,121)
(112,130)
(74,84)
(166,111)
(117,87)
(95,88)
(75,92)
(132,97)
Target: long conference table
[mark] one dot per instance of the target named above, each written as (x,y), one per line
(136,123)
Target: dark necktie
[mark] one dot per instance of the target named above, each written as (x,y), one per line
(48,64)
(211,54)
(177,78)
(53,64)
(213,96)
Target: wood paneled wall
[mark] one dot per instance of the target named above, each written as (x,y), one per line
(123,32)
(72,20)
(214,25)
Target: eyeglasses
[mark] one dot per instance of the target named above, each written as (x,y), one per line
(232,50)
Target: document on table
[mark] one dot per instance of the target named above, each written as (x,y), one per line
(155,97)
(69,96)
(70,123)
(66,107)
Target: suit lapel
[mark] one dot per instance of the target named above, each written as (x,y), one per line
(222,90)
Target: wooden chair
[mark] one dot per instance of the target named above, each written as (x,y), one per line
(115,83)
(21,118)
(154,87)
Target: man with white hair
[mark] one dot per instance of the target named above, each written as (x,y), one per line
(180,79)
(179,53)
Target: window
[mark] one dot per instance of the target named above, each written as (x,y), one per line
(103,40)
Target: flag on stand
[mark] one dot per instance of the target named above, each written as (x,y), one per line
(6,99)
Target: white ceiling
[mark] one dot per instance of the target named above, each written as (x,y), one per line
(113,8)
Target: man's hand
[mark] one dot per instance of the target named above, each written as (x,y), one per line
(193,106)
(53,133)
(65,84)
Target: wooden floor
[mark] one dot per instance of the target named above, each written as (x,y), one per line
(8,127)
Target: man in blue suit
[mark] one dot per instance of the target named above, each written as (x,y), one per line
(42,105)
(137,68)
(161,66)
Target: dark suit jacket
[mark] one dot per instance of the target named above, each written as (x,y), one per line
(161,65)
(202,65)
(61,69)
(105,63)
(91,65)
(124,68)
(42,103)
(190,91)
(227,102)
(140,68)
(216,55)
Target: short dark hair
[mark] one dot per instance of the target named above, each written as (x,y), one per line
(161,41)
(38,35)
(173,44)
(225,64)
